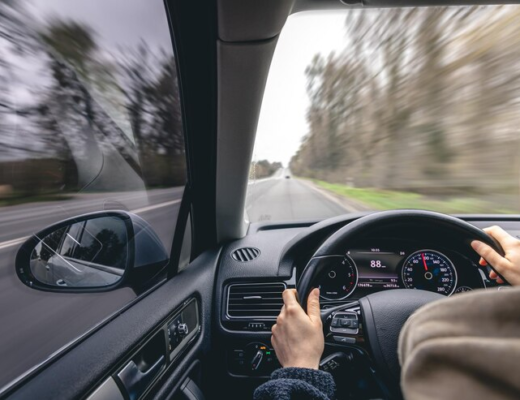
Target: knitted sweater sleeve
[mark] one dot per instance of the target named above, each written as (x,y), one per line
(297,383)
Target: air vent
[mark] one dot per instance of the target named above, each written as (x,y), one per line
(258,300)
(245,254)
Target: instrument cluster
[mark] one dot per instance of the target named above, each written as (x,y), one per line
(397,265)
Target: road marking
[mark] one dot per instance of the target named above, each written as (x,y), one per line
(347,207)
(14,242)
(277,175)
(149,208)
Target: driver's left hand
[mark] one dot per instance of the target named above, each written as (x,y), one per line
(298,336)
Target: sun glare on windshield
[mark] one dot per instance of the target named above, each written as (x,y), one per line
(387,109)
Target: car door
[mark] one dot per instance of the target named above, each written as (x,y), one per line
(97,99)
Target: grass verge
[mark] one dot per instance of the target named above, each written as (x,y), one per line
(378,199)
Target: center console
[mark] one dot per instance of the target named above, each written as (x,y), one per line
(255,359)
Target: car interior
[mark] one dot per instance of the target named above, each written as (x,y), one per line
(199,326)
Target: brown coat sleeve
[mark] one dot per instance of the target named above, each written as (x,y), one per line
(464,347)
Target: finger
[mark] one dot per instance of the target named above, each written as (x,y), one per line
(289,298)
(487,253)
(500,235)
(274,328)
(482,262)
(493,275)
(313,306)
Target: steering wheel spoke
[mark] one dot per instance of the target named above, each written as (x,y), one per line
(342,324)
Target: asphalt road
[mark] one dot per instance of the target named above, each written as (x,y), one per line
(35,324)
(287,199)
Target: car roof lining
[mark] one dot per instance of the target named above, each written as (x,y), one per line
(308,5)
(248,20)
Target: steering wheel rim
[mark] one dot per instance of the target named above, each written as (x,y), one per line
(386,308)
(335,244)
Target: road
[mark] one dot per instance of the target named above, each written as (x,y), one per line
(287,199)
(34,324)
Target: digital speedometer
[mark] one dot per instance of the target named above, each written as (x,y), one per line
(429,270)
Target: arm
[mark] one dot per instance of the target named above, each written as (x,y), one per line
(297,383)
(463,347)
(467,347)
(298,341)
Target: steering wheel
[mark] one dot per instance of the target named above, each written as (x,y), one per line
(377,319)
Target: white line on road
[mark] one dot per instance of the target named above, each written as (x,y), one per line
(149,208)
(14,242)
(347,207)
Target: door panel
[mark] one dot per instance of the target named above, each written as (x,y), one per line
(81,370)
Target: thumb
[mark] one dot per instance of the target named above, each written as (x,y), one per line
(313,306)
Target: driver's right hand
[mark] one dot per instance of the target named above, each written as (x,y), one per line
(509,265)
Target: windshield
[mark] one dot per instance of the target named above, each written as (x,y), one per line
(388,109)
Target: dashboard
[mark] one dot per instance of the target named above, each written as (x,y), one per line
(393,264)
(272,257)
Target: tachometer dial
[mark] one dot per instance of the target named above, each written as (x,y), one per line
(339,280)
(429,270)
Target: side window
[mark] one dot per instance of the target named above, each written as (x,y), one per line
(90,120)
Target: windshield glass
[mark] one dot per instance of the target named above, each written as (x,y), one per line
(387,109)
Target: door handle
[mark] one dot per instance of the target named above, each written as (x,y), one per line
(136,381)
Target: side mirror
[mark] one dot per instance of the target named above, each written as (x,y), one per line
(93,253)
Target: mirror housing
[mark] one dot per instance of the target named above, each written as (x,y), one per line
(95,252)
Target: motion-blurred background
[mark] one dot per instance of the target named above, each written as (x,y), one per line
(407,108)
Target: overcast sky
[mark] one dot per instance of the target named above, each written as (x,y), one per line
(282,119)
(117,23)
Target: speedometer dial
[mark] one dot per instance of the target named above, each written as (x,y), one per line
(429,270)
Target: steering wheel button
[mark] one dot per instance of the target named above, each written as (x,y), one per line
(345,323)
(344,339)
(335,323)
(345,331)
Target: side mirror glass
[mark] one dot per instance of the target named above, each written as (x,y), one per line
(94,252)
(90,253)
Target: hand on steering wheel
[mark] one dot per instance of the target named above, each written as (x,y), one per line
(375,321)
(298,336)
(508,265)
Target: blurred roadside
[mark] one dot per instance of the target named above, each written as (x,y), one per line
(380,199)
